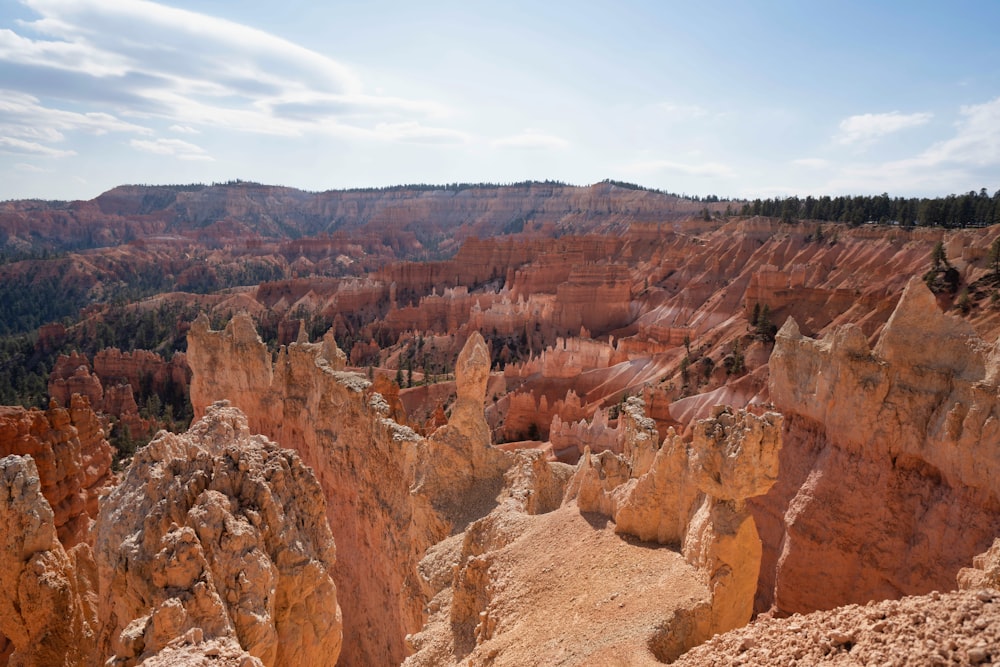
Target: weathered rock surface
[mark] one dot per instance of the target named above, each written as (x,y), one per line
(399,497)
(544,581)
(985,570)
(72,457)
(216,545)
(693,496)
(459,469)
(888,481)
(960,628)
(557,588)
(47,613)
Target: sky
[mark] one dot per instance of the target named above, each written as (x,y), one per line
(730,97)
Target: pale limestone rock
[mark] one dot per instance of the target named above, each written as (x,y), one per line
(458,467)
(44,609)
(217,535)
(535,484)
(233,364)
(956,348)
(595,480)
(187,652)
(735,456)
(657,505)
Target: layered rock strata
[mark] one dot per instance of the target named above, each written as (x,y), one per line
(889,472)
(72,457)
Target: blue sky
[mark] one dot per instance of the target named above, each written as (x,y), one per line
(730,98)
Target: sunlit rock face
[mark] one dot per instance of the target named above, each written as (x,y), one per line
(390,494)
(217,538)
(692,495)
(889,472)
(72,457)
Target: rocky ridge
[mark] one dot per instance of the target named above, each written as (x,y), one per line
(217,534)
(402,492)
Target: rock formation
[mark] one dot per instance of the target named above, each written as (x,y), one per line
(403,493)
(958,628)
(72,457)
(47,613)
(449,549)
(116,379)
(693,496)
(889,472)
(509,590)
(213,538)
(985,570)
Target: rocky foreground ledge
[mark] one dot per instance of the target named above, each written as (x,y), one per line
(957,628)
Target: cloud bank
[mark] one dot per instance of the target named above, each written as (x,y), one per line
(138,67)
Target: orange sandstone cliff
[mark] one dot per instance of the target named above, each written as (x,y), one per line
(888,480)
(71,456)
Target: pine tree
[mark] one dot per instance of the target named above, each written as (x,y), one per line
(995,257)
(938,256)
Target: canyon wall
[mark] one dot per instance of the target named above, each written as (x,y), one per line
(47,616)
(71,456)
(888,481)
(215,547)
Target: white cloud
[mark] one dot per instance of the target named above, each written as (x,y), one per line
(73,56)
(139,35)
(967,160)
(977,140)
(30,168)
(692,169)
(865,128)
(22,147)
(24,115)
(812,162)
(175,147)
(148,61)
(531,140)
(682,111)
(417,133)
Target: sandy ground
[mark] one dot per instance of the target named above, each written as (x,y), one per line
(569,591)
